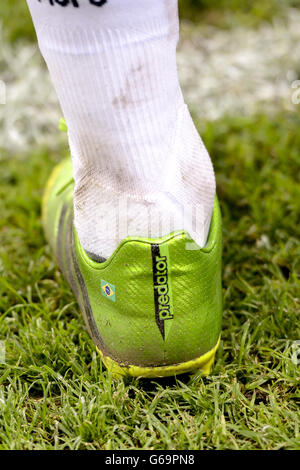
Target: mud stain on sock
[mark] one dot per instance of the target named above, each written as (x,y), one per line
(128,95)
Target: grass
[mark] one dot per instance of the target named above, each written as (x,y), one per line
(54,393)
(16,21)
(224,13)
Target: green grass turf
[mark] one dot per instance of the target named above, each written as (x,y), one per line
(227,13)
(54,393)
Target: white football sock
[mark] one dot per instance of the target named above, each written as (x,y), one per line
(140,167)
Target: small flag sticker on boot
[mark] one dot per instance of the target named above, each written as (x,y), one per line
(108,290)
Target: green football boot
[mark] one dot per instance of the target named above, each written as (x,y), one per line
(153,308)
